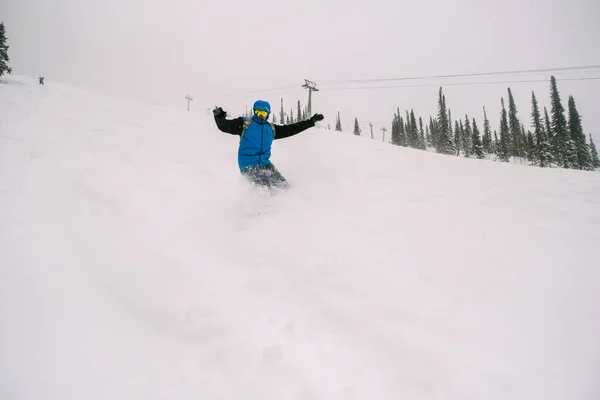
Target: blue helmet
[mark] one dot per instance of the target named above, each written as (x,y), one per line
(262,105)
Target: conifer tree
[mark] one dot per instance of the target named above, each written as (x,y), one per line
(428,137)
(414,131)
(572,156)
(523,141)
(594,154)
(503,145)
(408,130)
(467,137)
(487,134)
(299,112)
(531,150)
(457,137)
(584,160)
(514,140)
(433,132)
(540,142)
(292,120)
(281,113)
(442,121)
(4,59)
(338,123)
(356,127)
(552,147)
(422,140)
(452,145)
(559,125)
(402,133)
(287,121)
(395,139)
(476,141)
(526,149)
(274,118)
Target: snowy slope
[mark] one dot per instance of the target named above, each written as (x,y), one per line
(135,263)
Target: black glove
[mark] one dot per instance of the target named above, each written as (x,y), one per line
(317,117)
(218,112)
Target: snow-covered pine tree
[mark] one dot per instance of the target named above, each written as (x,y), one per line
(433,131)
(541,145)
(299,112)
(487,141)
(442,125)
(553,149)
(452,145)
(402,133)
(409,130)
(476,142)
(356,127)
(395,139)
(450,121)
(582,151)
(338,123)
(514,139)
(525,145)
(467,137)
(429,132)
(559,126)
(531,150)
(503,145)
(4,68)
(451,133)
(457,137)
(422,140)
(282,113)
(414,131)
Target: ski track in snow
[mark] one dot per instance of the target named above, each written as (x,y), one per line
(137,263)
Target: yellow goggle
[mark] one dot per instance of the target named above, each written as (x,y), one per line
(261,113)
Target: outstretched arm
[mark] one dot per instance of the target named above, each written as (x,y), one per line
(231,126)
(283,131)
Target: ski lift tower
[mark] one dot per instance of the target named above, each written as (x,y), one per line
(312,87)
(188,98)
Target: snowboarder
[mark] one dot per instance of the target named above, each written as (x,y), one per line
(41,80)
(256,138)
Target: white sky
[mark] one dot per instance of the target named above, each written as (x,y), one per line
(158,51)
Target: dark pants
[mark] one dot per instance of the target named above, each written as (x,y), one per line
(265,175)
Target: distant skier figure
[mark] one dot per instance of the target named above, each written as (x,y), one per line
(42,80)
(256,138)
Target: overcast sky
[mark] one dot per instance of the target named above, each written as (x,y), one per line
(220,51)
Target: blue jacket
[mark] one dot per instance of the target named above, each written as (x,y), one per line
(255,144)
(256,141)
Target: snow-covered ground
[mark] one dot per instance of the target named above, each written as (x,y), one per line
(135,263)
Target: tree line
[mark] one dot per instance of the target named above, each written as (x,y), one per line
(557,139)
